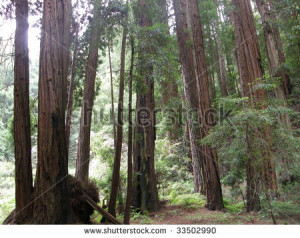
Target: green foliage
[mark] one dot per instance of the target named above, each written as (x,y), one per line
(142,218)
(194,200)
(233,207)
(7,188)
(238,136)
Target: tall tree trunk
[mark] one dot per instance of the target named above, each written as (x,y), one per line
(169,86)
(275,55)
(222,67)
(129,159)
(209,155)
(196,88)
(83,154)
(52,191)
(112,96)
(22,139)
(119,137)
(71,90)
(250,69)
(190,91)
(274,49)
(147,194)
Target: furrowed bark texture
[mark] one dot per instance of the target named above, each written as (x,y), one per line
(52,204)
(146,194)
(251,73)
(196,86)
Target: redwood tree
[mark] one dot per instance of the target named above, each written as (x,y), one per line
(22,139)
(52,204)
(250,70)
(192,57)
(146,194)
(209,155)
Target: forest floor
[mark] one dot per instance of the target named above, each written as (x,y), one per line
(183,208)
(178,214)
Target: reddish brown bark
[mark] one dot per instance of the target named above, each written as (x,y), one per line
(52,204)
(209,155)
(196,86)
(22,139)
(250,70)
(146,196)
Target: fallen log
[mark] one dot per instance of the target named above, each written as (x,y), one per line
(104,213)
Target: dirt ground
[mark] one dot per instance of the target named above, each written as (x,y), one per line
(185,215)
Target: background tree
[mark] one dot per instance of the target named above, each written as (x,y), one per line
(83,153)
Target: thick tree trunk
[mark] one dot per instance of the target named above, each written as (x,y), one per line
(210,159)
(22,139)
(190,92)
(147,194)
(71,90)
(129,159)
(196,87)
(83,153)
(52,205)
(250,69)
(119,136)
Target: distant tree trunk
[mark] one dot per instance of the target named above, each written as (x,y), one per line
(209,155)
(112,96)
(276,58)
(250,69)
(274,49)
(22,139)
(169,86)
(52,190)
(222,67)
(71,89)
(119,137)
(223,74)
(83,154)
(129,160)
(147,194)
(275,55)
(211,71)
